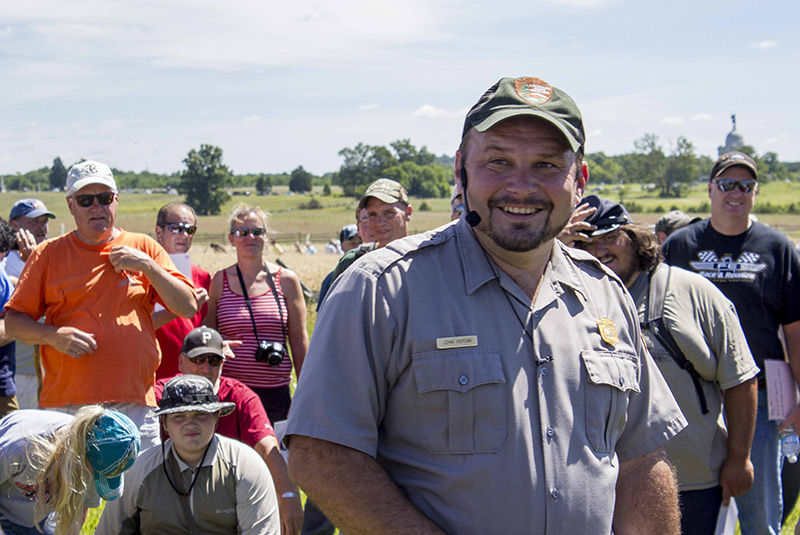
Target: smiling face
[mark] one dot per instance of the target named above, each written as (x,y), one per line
(95,224)
(615,250)
(732,207)
(387,222)
(190,433)
(523,180)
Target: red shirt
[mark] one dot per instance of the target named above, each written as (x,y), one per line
(170,336)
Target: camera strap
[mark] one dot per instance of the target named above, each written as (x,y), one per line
(271,283)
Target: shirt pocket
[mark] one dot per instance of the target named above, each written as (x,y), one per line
(460,402)
(612,377)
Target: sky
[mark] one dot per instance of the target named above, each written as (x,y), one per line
(278,84)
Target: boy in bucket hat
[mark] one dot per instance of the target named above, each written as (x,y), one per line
(62,454)
(198,481)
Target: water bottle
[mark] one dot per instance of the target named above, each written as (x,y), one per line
(790,444)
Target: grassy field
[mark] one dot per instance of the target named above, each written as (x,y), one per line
(290,223)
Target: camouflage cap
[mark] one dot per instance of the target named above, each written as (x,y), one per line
(514,97)
(386,190)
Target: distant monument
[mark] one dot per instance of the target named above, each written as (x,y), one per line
(733,142)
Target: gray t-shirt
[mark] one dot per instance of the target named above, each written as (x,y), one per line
(492,414)
(17,477)
(706,328)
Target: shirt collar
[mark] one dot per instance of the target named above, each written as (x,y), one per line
(479,268)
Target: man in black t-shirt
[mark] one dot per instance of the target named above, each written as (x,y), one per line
(759,270)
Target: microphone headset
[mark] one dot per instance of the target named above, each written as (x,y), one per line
(471,216)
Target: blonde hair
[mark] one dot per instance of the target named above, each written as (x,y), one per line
(64,471)
(243,211)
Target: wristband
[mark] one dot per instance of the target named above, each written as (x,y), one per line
(288,495)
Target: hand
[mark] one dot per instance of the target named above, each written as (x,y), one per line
(577,226)
(792,419)
(26,242)
(291,511)
(735,478)
(125,258)
(73,342)
(201,296)
(227,348)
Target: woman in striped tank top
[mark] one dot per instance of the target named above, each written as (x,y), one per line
(229,313)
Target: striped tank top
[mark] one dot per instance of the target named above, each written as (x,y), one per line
(233,322)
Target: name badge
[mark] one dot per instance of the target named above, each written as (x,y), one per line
(608,331)
(457,341)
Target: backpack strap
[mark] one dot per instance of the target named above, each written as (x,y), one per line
(654,322)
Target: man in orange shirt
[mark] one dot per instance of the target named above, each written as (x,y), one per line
(97,287)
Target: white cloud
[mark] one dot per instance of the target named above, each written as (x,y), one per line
(672,120)
(252,119)
(763,45)
(584,4)
(368,107)
(426,110)
(702,117)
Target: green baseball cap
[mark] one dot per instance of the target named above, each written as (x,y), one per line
(514,97)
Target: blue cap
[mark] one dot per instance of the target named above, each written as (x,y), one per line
(32,208)
(609,216)
(348,232)
(112,446)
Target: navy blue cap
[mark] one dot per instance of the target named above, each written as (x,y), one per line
(32,208)
(609,216)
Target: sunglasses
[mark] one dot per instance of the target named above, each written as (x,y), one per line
(103,199)
(213,360)
(243,232)
(177,228)
(729,184)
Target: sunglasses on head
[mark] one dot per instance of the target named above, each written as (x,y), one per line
(213,360)
(177,228)
(729,184)
(104,199)
(243,232)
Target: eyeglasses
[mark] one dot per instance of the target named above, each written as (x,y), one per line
(729,184)
(177,228)
(243,232)
(213,360)
(104,199)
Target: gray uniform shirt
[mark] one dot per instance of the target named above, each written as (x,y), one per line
(492,414)
(17,477)
(233,494)
(706,328)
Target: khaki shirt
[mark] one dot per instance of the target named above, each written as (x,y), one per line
(706,328)
(492,415)
(234,494)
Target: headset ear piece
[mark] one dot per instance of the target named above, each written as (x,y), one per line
(463,174)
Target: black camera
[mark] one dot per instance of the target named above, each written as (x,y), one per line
(272,353)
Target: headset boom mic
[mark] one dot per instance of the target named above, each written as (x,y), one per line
(473,218)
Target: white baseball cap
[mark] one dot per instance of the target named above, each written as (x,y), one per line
(89,172)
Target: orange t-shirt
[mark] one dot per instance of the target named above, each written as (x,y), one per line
(73,284)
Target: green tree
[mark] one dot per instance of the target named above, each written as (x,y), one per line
(406,152)
(771,168)
(204,180)
(263,183)
(363,164)
(300,181)
(326,190)
(649,163)
(681,169)
(58,174)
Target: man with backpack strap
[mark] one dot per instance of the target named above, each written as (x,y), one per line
(693,332)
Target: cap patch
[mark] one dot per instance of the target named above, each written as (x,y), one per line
(534,90)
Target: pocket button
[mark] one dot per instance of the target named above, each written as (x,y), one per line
(463,380)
